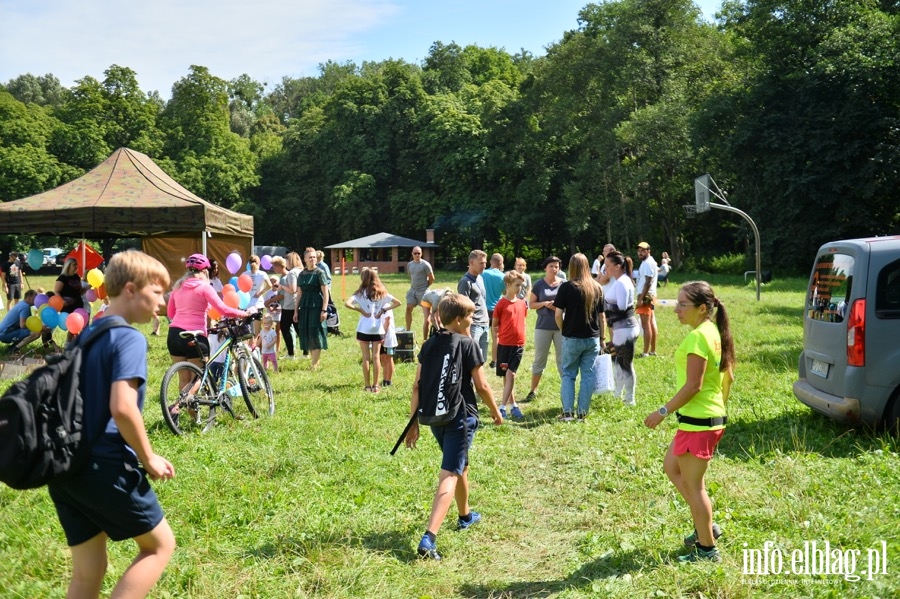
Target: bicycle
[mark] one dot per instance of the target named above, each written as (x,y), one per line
(209,389)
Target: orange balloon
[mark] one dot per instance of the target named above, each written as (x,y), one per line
(228,287)
(214,314)
(245,283)
(232,300)
(56,302)
(101,291)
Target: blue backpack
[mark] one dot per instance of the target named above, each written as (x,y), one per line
(42,435)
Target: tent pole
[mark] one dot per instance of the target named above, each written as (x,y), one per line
(83,256)
(203,235)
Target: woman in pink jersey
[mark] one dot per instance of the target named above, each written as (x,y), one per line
(191,298)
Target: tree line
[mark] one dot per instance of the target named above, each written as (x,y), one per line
(792,105)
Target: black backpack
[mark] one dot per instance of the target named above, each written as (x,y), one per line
(42,418)
(440,391)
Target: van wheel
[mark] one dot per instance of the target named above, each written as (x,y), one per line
(892,416)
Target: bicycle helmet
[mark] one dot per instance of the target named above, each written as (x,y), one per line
(197,262)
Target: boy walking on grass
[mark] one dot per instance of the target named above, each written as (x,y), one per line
(455,438)
(508,324)
(112,497)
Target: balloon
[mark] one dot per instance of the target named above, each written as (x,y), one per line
(33,324)
(75,322)
(91,295)
(231,300)
(233,281)
(228,288)
(233,262)
(40,299)
(42,308)
(95,277)
(84,313)
(56,302)
(98,316)
(214,314)
(35,259)
(101,291)
(61,323)
(244,298)
(245,283)
(50,317)
(265,262)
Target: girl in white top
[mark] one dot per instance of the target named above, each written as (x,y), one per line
(619,310)
(371,300)
(387,349)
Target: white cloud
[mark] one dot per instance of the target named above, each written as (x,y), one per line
(267,39)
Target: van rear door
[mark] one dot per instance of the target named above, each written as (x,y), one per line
(838,276)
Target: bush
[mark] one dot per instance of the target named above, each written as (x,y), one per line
(728,264)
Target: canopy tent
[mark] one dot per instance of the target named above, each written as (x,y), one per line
(128,195)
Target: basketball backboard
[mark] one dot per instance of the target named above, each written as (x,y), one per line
(701,193)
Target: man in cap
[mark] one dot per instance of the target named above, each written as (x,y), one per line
(646,288)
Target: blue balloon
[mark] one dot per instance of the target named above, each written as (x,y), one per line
(49,317)
(234,282)
(35,259)
(245,299)
(63,326)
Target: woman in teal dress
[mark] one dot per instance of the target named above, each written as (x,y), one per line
(311,310)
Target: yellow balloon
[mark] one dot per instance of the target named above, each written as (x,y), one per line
(42,308)
(95,277)
(34,324)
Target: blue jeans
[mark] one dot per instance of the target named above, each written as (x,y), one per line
(481,334)
(578,354)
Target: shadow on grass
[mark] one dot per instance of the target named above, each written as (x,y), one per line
(604,567)
(535,417)
(394,544)
(804,432)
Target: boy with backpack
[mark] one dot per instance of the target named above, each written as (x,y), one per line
(443,398)
(111,498)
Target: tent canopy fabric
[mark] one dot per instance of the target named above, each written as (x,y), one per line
(127,195)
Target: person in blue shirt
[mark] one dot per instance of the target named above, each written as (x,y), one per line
(111,498)
(494,288)
(12,327)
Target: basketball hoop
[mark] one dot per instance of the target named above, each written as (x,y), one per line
(690,210)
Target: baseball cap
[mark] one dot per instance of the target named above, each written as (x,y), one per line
(644,245)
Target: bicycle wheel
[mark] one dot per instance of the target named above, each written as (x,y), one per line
(255,386)
(185,414)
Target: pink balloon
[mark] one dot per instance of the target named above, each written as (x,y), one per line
(83,312)
(245,283)
(90,295)
(228,288)
(74,323)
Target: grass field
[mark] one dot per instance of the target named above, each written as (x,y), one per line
(310,504)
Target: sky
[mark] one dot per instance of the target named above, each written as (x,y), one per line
(266,39)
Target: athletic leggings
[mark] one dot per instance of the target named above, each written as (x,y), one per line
(270,358)
(287,322)
(624,339)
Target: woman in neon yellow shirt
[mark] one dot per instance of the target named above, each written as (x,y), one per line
(705,370)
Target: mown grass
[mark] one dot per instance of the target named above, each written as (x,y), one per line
(310,504)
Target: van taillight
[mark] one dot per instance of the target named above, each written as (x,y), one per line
(856,334)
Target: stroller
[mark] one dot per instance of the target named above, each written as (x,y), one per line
(333,319)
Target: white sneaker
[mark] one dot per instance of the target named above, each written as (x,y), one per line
(629,402)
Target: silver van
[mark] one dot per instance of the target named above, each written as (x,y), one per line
(850,364)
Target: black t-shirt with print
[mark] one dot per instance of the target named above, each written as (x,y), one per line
(431,367)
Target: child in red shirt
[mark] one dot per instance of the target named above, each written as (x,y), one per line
(509,326)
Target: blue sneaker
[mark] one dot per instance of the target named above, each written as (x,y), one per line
(428,550)
(474,518)
(697,555)
(517,413)
(503,412)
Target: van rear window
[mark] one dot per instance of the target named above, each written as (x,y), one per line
(887,294)
(829,288)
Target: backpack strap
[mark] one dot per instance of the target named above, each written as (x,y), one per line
(96,329)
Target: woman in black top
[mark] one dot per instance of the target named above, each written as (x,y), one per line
(578,306)
(68,286)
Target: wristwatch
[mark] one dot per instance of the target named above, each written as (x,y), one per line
(663,411)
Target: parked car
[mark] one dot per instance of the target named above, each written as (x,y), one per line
(50,255)
(851,333)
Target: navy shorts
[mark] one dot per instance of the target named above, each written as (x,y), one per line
(109,496)
(178,346)
(455,439)
(508,358)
